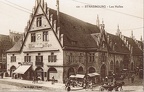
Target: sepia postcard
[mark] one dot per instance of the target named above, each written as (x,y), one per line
(71,45)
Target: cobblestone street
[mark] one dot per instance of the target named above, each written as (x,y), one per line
(8,84)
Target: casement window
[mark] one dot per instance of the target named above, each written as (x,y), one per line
(39,58)
(13,58)
(27,58)
(80,57)
(33,37)
(91,57)
(45,36)
(71,58)
(52,58)
(39,21)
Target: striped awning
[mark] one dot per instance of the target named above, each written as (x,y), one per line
(22,69)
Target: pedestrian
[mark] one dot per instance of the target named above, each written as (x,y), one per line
(106,79)
(53,80)
(68,89)
(132,79)
(2,75)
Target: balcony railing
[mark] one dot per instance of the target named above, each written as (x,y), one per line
(37,63)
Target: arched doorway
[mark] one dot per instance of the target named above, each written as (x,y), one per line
(70,72)
(91,70)
(39,73)
(80,70)
(132,66)
(52,72)
(12,69)
(103,71)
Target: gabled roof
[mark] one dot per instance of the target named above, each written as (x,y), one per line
(16,47)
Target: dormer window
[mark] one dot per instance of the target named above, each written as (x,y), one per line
(39,21)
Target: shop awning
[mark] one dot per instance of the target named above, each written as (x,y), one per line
(77,76)
(93,74)
(22,69)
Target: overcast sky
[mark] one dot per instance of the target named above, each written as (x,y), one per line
(130,17)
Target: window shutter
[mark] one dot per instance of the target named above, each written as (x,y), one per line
(11,58)
(24,58)
(48,58)
(29,58)
(54,58)
(36,58)
(41,58)
(15,58)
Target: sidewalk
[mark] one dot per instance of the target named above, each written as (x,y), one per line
(29,84)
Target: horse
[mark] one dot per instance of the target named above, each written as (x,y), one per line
(119,85)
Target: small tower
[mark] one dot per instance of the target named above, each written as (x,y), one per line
(141,39)
(118,31)
(132,35)
(97,22)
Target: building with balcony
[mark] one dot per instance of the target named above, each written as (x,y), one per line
(59,45)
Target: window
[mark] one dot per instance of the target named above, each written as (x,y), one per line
(103,57)
(39,21)
(111,65)
(33,37)
(70,57)
(91,57)
(39,58)
(45,36)
(27,58)
(52,58)
(13,58)
(80,57)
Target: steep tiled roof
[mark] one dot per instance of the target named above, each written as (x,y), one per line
(16,47)
(136,50)
(75,30)
(118,44)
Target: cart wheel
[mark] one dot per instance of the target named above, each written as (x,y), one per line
(101,89)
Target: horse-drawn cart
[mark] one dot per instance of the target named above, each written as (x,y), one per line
(112,87)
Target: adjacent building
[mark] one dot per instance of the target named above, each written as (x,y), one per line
(6,42)
(59,45)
